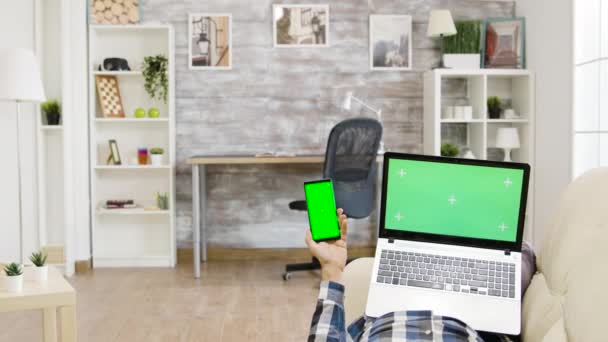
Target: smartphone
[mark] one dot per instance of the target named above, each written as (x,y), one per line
(322,215)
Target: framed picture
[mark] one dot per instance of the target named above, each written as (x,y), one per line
(108,95)
(504,43)
(210,41)
(114,12)
(300,25)
(114,158)
(390,42)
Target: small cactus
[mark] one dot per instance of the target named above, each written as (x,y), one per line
(13,270)
(38,259)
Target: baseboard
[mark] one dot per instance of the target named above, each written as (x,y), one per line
(184,255)
(83,266)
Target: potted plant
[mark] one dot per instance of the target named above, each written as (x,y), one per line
(494,107)
(41,271)
(463,50)
(449,150)
(14,277)
(52,110)
(156,83)
(156,156)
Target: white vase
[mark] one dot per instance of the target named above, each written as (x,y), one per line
(14,284)
(41,274)
(156,159)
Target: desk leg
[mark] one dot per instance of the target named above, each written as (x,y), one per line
(49,327)
(67,316)
(196,220)
(203,212)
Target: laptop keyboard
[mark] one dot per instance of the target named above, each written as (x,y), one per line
(447,273)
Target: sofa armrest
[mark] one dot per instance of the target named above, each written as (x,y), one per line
(356,279)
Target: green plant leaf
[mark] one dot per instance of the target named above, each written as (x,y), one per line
(156,80)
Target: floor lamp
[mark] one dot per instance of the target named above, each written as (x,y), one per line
(20,82)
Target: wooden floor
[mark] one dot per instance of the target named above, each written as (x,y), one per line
(233,301)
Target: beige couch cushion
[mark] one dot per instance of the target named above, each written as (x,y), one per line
(567,299)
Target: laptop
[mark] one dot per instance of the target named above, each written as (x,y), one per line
(450,240)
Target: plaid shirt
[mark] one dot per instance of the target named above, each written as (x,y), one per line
(328,323)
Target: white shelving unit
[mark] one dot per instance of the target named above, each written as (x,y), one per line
(443,87)
(132,237)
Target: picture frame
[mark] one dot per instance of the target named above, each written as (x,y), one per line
(311,29)
(114,12)
(114,158)
(390,42)
(108,96)
(210,41)
(503,41)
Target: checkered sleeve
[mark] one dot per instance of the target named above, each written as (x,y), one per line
(328,320)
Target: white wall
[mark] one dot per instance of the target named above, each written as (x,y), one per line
(17,30)
(549,51)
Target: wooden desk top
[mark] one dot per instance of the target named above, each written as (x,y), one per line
(250,159)
(57,292)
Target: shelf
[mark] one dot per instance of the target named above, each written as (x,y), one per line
(507,120)
(132,167)
(131,120)
(136,27)
(462,121)
(478,72)
(132,211)
(117,73)
(51,127)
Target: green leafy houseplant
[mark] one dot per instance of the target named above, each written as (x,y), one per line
(13,270)
(494,107)
(52,111)
(156,82)
(157,150)
(38,259)
(449,150)
(467,40)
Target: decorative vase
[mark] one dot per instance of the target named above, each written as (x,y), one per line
(14,284)
(52,118)
(494,113)
(41,274)
(156,159)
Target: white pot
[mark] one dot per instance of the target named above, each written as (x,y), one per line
(156,159)
(41,274)
(14,284)
(462,60)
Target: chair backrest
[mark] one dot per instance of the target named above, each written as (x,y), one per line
(350,161)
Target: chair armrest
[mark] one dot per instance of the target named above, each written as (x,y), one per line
(356,278)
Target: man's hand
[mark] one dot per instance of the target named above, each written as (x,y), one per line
(331,254)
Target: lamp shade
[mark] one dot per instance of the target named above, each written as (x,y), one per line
(507,137)
(20,76)
(348,101)
(441,24)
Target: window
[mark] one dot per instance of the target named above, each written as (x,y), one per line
(590,85)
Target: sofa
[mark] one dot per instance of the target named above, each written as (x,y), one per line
(569,292)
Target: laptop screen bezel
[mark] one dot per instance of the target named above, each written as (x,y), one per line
(448,239)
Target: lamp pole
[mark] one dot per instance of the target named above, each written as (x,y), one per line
(17,116)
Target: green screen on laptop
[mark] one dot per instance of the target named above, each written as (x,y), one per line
(453,199)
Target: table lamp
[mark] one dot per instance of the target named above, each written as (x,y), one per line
(441,25)
(20,82)
(348,103)
(507,138)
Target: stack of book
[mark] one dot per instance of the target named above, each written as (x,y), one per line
(120,204)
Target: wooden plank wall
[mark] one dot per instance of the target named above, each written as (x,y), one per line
(287,100)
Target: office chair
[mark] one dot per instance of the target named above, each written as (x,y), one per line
(350,162)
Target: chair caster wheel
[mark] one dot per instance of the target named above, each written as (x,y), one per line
(286,276)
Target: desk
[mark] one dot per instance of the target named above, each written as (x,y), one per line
(199,190)
(58,294)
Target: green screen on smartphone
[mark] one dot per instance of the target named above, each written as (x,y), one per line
(322,210)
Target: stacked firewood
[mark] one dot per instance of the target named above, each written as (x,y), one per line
(115,12)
